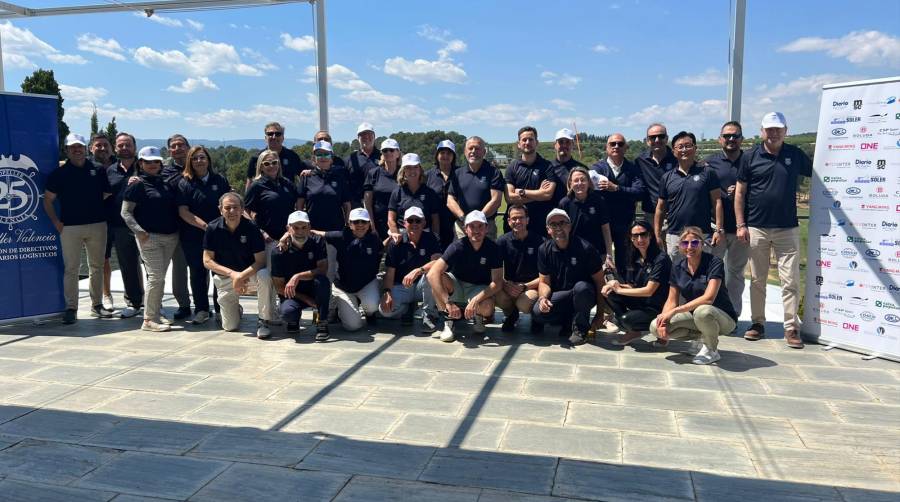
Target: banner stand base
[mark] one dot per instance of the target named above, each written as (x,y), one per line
(830,346)
(37,320)
(869,357)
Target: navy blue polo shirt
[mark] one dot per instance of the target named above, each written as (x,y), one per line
(473,189)
(156,205)
(324,194)
(435,181)
(521,175)
(273,200)
(291,165)
(202,199)
(118,180)
(631,191)
(172,172)
(693,286)
(79,191)
(587,217)
(657,269)
(403,256)
(519,256)
(424,199)
(233,250)
(686,197)
(358,166)
(578,262)
(651,174)
(772,185)
(469,265)
(382,184)
(295,260)
(358,259)
(726,171)
(562,170)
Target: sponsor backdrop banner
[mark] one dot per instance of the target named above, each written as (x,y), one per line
(30,256)
(853,261)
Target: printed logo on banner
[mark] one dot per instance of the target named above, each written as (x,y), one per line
(842,105)
(867,316)
(834,179)
(857,104)
(19,194)
(858,300)
(886,305)
(891,318)
(843,147)
(837,133)
(876,118)
(869,146)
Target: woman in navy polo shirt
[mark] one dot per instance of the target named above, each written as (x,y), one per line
(199,190)
(380,184)
(707,313)
(588,212)
(412,192)
(640,295)
(150,210)
(438,179)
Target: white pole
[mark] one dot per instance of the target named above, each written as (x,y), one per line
(322,60)
(736,60)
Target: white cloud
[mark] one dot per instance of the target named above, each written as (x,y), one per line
(261,113)
(456,97)
(192,84)
(21,46)
(684,114)
(373,96)
(500,115)
(864,48)
(299,44)
(564,80)
(163,20)
(602,49)
(109,48)
(345,79)
(562,104)
(811,84)
(107,111)
(259,60)
(82,94)
(422,71)
(197,25)
(204,58)
(709,78)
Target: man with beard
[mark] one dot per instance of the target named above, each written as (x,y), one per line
(102,155)
(531,180)
(172,173)
(653,163)
(563,164)
(118,175)
(475,187)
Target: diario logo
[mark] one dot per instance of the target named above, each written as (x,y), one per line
(19,195)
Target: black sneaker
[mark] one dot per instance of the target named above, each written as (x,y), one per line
(576,338)
(408,318)
(536,327)
(509,324)
(69,317)
(182,313)
(322,331)
(371,320)
(293,327)
(100,312)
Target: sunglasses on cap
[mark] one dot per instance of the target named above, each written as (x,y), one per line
(693,244)
(274,134)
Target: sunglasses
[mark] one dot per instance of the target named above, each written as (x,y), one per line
(414,221)
(271,163)
(729,137)
(274,134)
(325,155)
(640,235)
(693,244)
(616,144)
(358,222)
(657,137)
(388,150)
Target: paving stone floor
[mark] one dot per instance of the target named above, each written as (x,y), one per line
(103,411)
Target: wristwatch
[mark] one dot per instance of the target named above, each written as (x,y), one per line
(720,230)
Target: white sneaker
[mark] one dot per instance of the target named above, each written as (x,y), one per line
(165,320)
(128,312)
(154,326)
(108,302)
(447,333)
(478,325)
(262,331)
(200,317)
(610,327)
(706,356)
(695,348)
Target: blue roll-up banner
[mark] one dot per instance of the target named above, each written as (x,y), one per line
(31,262)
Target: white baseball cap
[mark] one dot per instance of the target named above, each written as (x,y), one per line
(446,144)
(365,126)
(359,213)
(298,217)
(75,139)
(410,159)
(413,211)
(773,119)
(564,134)
(150,153)
(474,216)
(322,145)
(390,143)
(557,212)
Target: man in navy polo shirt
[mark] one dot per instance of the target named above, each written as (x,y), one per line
(361,161)
(476,187)
(688,195)
(172,173)
(127,253)
(80,186)
(622,188)
(531,180)
(563,164)
(298,274)
(234,251)
(469,273)
(653,163)
(725,164)
(519,251)
(571,281)
(291,165)
(765,209)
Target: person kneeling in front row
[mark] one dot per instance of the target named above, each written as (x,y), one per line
(708,313)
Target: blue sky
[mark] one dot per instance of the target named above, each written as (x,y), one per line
(418,66)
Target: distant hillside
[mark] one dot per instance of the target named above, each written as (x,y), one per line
(246,144)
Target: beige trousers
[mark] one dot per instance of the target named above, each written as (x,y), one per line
(93,238)
(785,242)
(706,322)
(156,254)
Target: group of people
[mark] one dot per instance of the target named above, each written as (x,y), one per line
(376,235)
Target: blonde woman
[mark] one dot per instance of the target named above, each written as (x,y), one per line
(413,192)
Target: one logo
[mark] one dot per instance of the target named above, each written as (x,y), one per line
(868,146)
(19,195)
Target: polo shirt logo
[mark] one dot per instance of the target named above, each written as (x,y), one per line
(243,239)
(368,251)
(574,261)
(334,184)
(421,252)
(310,254)
(531,250)
(93,172)
(787,161)
(215,187)
(422,197)
(483,261)
(592,210)
(696,177)
(285,162)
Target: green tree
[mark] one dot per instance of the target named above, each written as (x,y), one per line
(44,82)
(111,130)
(95,125)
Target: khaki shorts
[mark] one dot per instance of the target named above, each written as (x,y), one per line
(463,291)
